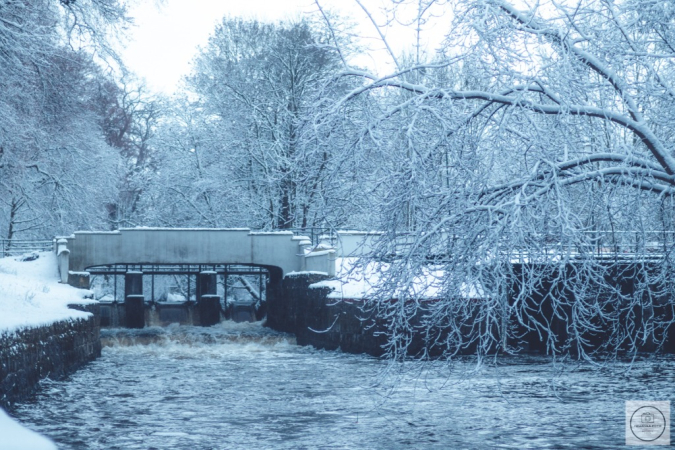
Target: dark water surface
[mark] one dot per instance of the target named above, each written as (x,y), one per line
(237,386)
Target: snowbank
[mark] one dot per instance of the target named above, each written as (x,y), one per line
(31,295)
(355,281)
(352,281)
(13,436)
(305,272)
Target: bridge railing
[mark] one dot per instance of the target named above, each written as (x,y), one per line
(14,247)
(597,244)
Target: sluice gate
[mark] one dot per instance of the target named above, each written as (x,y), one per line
(135,295)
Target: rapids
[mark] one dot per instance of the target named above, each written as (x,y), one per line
(243,386)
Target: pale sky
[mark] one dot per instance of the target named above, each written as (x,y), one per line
(166,36)
(168,33)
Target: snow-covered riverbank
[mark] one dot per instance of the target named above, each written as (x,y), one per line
(31,295)
(16,437)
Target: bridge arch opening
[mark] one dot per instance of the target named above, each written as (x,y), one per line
(138,295)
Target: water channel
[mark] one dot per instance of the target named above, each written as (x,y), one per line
(243,386)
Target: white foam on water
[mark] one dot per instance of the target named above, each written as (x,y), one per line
(218,342)
(170,433)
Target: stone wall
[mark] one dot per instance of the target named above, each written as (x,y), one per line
(320,321)
(53,351)
(331,324)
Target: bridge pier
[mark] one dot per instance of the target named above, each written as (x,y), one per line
(276,307)
(134,302)
(208,301)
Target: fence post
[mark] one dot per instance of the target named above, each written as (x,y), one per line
(63,256)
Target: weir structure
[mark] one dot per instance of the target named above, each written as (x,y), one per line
(203,253)
(291,265)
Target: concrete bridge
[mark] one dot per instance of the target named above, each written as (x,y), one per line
(280,253)
(282,250)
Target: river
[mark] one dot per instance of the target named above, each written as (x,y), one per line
(243,386)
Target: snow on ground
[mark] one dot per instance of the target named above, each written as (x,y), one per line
(356,281)
(351,281)
(13,436)
(31,295)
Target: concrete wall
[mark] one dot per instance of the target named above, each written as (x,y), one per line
(335,324)
(652,305)
(53,351)
(188,246)
(321,322)
(321,261)
(356,243)
(331,323)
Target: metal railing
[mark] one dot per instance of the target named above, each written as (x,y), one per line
(15,247)
(595,244)
(612,245)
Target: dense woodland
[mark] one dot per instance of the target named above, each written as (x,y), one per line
(541,130)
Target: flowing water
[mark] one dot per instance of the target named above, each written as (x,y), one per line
(242,386)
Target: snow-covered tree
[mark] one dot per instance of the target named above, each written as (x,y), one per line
(56,171)
(129,117)
(531,176)
(260,85)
